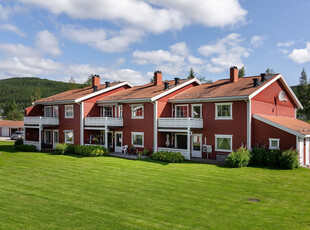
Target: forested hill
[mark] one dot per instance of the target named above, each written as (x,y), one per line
(24,90)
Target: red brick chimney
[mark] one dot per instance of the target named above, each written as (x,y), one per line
(96,80)
(158,78)
(234,74)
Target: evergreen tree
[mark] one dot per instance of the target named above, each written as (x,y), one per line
(89,81)
(241,72)
(303,94)
(11,112)
(191,73)
(72,84)
(270,71)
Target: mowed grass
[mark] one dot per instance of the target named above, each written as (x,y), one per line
(43,191)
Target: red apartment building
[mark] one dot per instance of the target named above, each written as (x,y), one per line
(199,120)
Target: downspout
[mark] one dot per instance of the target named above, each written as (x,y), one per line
(249,124)
(155,144)
(188,138)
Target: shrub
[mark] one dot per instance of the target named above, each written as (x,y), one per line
(167,156)
(239,158)
(289,159)
(273,157)
(26,148)
(258,156)
(70,149)
(19,141)
(91,150)
(61,148)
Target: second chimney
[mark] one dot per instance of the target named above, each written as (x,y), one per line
(95,81)
(158,78)
(233,74)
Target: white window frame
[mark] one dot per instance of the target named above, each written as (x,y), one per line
(120,110)
(104,110)
(175,110)
(223,136)
(45,131)
(274,139)
(132,138)
(194,105)
(69,131)
(45,111)
(55,107)
(132,111)
(223,118)
(66,108)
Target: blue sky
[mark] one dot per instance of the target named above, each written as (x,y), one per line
(130,39)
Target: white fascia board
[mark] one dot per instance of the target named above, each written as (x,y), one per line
(138,100)
(210,99)
(54,102)
(176,88)
(276,125)
(102,91)
(286,85)
(173,130)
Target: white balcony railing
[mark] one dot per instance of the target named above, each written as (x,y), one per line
(36,144)
(102,121)
(182,151)
(41,121)
(176,122)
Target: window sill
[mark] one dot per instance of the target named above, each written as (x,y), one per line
(137,117)
(223,118)
(223,150)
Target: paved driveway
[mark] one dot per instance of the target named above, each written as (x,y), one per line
(5,139)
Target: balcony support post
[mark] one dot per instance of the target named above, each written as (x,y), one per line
(106,133)
(40,137)
(188,139)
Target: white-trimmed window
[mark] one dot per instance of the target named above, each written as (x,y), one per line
(69,111)
(274,143)
(119,111)
(223,111)
(108,111)
(137,139)
(181,110)
(47,111)
(55,111)
(69,136)
(196,111)
(223,143)
(137,111)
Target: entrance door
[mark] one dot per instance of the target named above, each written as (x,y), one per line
(197,145)
(118,142)
(55,138)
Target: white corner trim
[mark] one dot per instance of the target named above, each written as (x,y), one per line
(155,128)
(293,132)
(102,91)
(249,125)
(286,85)
(82,123)
(176,88)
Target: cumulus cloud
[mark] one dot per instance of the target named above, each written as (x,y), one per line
(301,55)
(137,18)
(6,12)
(102,39)
(24,61)
(155,57)
(285,44)
(257,41)
(179,48)
(48,43)
(224,53)
(13,29)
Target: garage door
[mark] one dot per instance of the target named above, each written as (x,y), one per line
(5,132)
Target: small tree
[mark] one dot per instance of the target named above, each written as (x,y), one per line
(72,84)
(303,90)
(11,112)
(191,73)
(270,71)
(241,72)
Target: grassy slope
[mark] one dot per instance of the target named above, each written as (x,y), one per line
(41,191)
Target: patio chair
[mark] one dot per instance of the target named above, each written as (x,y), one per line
(125,149)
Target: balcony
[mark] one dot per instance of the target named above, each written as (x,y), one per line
(41,121)
(176,122)
(102,121)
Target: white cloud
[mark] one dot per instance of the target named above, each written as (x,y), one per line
(224,53)
(155,16)
(301,55)
(194,60)
(285,44)
(155,57)
(284,51)
(179,48)
(101,39)
(6,12)
(13,29)
(257,41)
(47,42)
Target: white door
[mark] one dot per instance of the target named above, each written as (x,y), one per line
(197,145)
(118,142)
(55,138)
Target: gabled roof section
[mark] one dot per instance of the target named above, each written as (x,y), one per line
(147,92)
(291,125)
(78,95)
(12,124)
(222,90)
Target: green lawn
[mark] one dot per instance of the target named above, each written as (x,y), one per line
(42,191)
